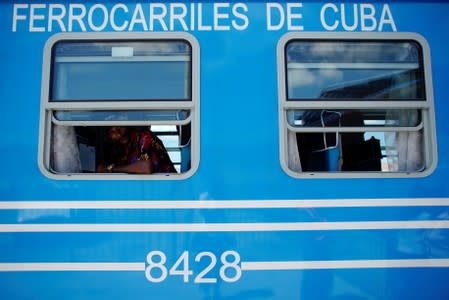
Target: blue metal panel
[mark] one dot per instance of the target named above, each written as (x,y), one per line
(239,161)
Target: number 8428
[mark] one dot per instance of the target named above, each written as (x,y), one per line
(157,270)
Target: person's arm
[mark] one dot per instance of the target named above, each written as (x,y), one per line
(139,167)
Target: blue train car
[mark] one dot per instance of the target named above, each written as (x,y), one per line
(224,150)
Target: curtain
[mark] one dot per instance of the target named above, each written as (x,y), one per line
(66,155)
(404,149)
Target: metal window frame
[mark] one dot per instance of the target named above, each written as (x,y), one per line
(47,107)
(426,106)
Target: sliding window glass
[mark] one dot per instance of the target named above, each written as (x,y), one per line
(120,105)
(355,105)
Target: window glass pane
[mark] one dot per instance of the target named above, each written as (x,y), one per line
(90,149)
(121,71)
(170,141)
(145,115)
(381,151)
(354,118)
(354,70)
(163,128)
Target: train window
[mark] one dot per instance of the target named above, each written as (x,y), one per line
(120,106)
(355,105)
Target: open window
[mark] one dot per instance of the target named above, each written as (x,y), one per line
(355,105)
(145,84)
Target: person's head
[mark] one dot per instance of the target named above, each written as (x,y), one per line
(118,134)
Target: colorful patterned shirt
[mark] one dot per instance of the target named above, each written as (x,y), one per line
(144,145)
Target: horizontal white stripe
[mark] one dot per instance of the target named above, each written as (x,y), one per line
(344,264)
(20,267)
(220,204)
(224,227)
(246,266)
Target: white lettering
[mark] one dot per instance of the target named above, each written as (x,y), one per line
(218,16)
(192,16)
(52,16)
(159,267)
(291,16)
(138,18)
(34,16)
(387,18)
(104,13)
(200,19)
(178,16)
(77,17)
(241,16)
(278,7)
(368,14)
(364,17)
(155,16)
(344,19)
(323,16)
(16,17)
(113,23)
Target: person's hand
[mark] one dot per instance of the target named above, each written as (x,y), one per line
(139,167)
(103,169)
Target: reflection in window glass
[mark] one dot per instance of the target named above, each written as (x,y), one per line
(385,151)
(368,117)
(90,149)
(354,106)
(350,70)
(120,106)
(121,71)
(143,115)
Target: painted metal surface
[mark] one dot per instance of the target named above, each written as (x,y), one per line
(239,227)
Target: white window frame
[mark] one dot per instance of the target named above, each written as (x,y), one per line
(47,107)
(425,106)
